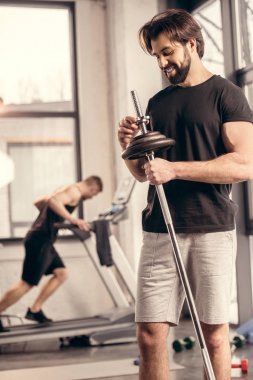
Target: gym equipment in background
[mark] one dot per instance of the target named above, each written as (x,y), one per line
(243,364)
(187,343)
(144,145)
(115,326)
(238,341)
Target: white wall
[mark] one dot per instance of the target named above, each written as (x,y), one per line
(130,69)
(97,156)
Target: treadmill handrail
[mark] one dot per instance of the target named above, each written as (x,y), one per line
(81,234)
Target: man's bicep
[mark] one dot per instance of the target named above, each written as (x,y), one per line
(238,136)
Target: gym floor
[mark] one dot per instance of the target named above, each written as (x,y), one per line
(49,354)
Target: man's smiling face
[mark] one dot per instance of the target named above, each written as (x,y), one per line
(173,58)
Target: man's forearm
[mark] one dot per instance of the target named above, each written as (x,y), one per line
(230,168)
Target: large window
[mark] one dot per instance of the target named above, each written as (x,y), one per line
(38,113)
(245,31)
(209,17)
(35,65)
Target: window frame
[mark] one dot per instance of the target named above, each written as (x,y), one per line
(70,6)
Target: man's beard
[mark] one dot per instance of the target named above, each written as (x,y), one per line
(181,72)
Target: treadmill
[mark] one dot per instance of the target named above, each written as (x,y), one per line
(117,325)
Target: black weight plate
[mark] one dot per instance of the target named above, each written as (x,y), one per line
(140,149)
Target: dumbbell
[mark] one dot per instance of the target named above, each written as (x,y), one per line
(238,341)
(137,361)
(244,365)
(179,344)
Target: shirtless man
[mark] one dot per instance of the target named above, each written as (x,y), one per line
(41,258)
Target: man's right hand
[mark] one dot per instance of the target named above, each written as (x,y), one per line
(127,130)
(80,223)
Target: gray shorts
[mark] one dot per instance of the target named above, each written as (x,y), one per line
(209,261)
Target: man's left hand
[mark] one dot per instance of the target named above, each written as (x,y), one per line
(159,171)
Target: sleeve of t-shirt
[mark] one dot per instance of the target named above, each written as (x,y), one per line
(150,126)
(234,105)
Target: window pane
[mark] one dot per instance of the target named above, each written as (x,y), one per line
(35,65)
(246,31)
(43,152)
(209,17)
(249,93)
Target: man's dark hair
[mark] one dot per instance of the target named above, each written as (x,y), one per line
(94,179)
(178,24)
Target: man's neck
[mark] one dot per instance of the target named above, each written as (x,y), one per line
(198,74)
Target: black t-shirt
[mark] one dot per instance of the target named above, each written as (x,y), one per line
(193,116)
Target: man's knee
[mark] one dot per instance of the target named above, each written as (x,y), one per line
(61,274)
(216,336)
(151,335)
(25,286)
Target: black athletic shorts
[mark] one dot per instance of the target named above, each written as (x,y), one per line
(41,258)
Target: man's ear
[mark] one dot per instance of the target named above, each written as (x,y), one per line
(192,44)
